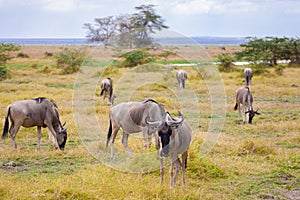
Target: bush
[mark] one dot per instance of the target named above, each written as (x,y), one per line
(48,54)
(5,49)
(279,69)
(70,60)
(22,55)
(136,57)
(226,62)
(4,74)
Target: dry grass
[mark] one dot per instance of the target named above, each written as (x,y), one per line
(247,162)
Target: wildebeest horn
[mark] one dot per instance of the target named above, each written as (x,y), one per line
(171,121)
(256,112)
(155,123)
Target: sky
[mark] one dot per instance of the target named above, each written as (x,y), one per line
(224,18)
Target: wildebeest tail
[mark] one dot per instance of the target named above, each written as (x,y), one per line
(102,91)
(109,133)
(6,124)
(185,163)
(236,106)
(247,80)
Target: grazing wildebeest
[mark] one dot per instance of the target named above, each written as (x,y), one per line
(248,74)
(244,97)
(40,112)
(181,76)
(131,117)
(174,139)
(107,90)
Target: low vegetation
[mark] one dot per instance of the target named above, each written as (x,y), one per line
(258,161)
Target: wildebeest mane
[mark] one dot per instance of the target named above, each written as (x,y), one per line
(136,113)
(42,99)
(150,100)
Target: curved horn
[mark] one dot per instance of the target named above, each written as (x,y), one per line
(155,123)
(171,121)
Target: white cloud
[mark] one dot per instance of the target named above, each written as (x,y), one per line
(213,6)
(58,5)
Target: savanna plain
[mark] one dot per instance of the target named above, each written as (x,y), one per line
(257,161)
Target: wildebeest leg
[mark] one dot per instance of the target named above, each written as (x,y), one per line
(112,147)
(146,137)
(172,174)
(244,114)
(184,165)
(39,136)
(178,166)
(162,169)
(125,143)
(13,132)
(50,127)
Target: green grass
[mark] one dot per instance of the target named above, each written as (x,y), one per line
(257,161)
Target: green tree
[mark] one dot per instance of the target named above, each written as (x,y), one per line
(147,22)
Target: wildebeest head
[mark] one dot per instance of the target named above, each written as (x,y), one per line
(167,133)
(252,113)
(62,137)
(164,135)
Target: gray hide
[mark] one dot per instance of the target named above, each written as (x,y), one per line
(40,112)
(131,117)
(248,74)
(107,90)
(181,76)
(244,97)
(179,143)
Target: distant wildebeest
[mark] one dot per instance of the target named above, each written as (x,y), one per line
(244,97)
(131,117)
(248,74)
(107,90)
(181,76)
(40,112)
(174,139)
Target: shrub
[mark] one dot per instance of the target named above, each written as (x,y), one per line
(22,55)
(136,57)
(279,69)
(4,74)
(5,49)
(70,60)
(48,54)
(226,62)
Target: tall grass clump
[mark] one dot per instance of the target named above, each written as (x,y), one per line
(70,60)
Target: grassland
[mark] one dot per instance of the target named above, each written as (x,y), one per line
(258,161)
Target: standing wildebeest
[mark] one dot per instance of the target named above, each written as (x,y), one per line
(244,97)
(40,112)
(131,117)
(174,139)
(248,74)
(181,76)
(107,90)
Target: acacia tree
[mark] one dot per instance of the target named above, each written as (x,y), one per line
(147,21)
(103,30)
(127,30)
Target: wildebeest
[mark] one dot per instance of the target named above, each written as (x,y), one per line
(131,117)
(174,139)
(181,76)
(244,97)
(40,112)
(248,74)
(107,90)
